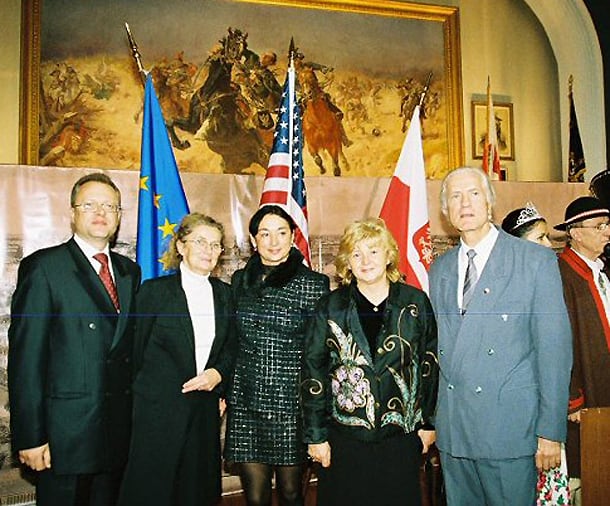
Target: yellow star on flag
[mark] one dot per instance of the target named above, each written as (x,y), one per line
(167,228)
(143,183)
(156,201)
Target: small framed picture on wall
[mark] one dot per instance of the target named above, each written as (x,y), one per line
(504,124)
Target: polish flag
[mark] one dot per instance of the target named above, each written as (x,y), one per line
(405,209)
(491,155)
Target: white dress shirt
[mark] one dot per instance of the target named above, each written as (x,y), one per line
(483,250)
(89,251)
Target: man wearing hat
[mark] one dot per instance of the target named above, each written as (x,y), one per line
(587,294)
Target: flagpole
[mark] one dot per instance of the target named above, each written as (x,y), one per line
(422,97)
(136,55)
(291,51)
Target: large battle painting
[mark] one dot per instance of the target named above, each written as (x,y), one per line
(218,67)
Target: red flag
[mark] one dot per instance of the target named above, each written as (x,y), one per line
(405,209)
(285,179)
(491,156)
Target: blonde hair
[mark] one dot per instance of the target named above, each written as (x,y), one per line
(375,231)
(171,258)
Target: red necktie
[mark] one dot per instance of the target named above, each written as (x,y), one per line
(106,278)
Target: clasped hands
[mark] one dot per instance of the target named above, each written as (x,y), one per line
(320,452)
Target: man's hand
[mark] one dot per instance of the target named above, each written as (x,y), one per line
(548,455)
(38,458)
(320,452)
(205,381)
(574,417)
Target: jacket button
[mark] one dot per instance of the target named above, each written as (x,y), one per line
(441,352)
(490,351)
(92,326)
(478,390)
(450,386)
(380,350)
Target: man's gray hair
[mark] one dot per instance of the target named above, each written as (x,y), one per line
(490,193)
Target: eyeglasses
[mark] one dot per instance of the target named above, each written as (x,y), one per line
(216,247)
(600,227)
(92,207)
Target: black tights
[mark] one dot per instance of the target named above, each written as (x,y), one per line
(256,482)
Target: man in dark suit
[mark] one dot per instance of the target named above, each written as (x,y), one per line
(505,353)
(70,346)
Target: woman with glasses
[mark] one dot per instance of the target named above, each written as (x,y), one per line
(184,353)
(274,298)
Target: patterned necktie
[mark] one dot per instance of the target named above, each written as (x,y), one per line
(471,278)
(106,278)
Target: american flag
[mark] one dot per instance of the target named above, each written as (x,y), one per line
(284,182)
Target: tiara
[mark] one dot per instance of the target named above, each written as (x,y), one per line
(527,214)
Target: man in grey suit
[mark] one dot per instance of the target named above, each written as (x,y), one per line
(69,361)
(504,351)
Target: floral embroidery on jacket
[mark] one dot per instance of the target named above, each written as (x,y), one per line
(351,389)
(404,411)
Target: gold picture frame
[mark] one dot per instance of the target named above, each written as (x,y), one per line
(298,18)
(505,129)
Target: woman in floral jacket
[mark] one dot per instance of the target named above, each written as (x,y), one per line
(370,377)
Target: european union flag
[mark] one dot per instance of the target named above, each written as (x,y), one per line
(161,203)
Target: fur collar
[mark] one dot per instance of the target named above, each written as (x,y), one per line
(278,276)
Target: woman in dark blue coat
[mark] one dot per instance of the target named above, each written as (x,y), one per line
(184,352)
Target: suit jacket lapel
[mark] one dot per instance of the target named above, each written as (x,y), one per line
(220,321)
(86,275)
(484,302)
(493,278)
(124,287)
(449,283)
(180,307)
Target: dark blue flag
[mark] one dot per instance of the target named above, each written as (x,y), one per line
(576,160)
(161,202)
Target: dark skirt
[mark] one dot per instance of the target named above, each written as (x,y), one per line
(362,474)
(174,458)
(264,437)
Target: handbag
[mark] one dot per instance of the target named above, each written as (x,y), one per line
(552,487)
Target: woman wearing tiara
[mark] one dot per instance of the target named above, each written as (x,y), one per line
(527,223)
